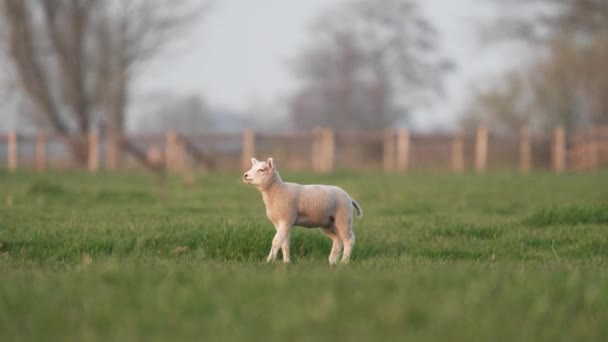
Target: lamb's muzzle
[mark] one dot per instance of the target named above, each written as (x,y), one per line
(287,204)
(246,178)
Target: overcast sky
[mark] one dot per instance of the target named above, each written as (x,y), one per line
(238,55)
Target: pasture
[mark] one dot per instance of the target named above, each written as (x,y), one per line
(496,257)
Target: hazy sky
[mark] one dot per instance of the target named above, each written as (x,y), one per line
(239,54)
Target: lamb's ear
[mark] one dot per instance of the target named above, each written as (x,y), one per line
(270,163)
(253,161)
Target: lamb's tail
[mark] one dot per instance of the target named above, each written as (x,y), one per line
(358,208)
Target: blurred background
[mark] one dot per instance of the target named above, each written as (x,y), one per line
(389,85)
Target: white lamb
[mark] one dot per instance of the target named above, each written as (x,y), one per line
(311,206)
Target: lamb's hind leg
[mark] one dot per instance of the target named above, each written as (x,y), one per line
(285,249)
(344,229)
(336,247)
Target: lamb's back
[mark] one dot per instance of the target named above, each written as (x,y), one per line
(316,197)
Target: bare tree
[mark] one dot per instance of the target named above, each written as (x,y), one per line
(503,108)
(566,87)
(183,113)
(542,21)
(75,59)
(372,62)
(566,83)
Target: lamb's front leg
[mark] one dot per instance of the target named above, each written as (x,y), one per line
(280,237)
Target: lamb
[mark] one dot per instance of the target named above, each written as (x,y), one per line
(289,204)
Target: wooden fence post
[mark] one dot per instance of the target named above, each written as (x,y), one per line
(559,149)
(40,151)
(388,151)
(13,152)
(154,156)
(328,150)
(111,152)
(593,150)
(458,153)
(525,150)
(481,149)
(181,154)
(248,151)
(403,149)
(170,150)
(93,154)
(316,149)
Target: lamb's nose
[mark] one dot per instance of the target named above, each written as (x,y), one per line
(245,175)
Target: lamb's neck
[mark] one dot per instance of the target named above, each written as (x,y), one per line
(272,189)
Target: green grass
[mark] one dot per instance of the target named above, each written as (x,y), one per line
(572,215)
(499,257)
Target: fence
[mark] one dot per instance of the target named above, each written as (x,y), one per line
(322,150)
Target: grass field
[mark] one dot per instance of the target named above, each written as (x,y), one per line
(123,257)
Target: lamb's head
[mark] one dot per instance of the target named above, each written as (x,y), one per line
(261,174)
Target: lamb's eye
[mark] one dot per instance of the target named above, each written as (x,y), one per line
(261,170)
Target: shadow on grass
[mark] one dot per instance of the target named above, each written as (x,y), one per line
(52,190)
(569,215)
(479,233)
(45,187)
